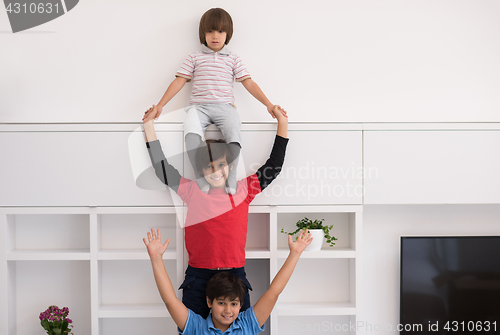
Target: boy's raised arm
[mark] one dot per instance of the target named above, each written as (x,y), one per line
(272,167)
(266,303)
(176,308)
(282,129)
(149,129)
(167,174)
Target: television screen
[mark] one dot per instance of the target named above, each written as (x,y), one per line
(450,285)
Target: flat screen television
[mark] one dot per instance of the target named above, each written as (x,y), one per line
(450,285)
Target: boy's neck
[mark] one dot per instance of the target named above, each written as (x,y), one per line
(219,49)
(219,326)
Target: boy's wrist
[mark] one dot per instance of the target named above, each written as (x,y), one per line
(295,252)
(157,258)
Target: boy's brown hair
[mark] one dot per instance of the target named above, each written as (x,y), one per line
(214,150)
(226,285)
(216,19)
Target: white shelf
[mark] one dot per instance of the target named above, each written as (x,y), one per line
(337,253)
(258,254)
(48,255)
(309,309)
(133,311)
(110,255)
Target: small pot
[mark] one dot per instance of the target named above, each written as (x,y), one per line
(318,236)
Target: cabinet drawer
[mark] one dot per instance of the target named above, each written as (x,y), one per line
(432,167)
(321,167)
(75,169)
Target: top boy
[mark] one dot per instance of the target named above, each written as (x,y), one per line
(213,70)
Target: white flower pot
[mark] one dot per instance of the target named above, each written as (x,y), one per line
(318,236)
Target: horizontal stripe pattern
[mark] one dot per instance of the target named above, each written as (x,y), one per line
(213,75)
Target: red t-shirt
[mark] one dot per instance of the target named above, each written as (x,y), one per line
(216,223)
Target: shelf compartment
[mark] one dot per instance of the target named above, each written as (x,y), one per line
(257,235)
(133,311)
(133,277)
(257,271)
(343,229)
(37,285)
(320,285)
(46,233)
(124,233)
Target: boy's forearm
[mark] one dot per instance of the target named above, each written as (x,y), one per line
(174,88)
(282,129)
(266,303)
(254,89)
(178,311)
(284,274)
(163,282)
(149,131)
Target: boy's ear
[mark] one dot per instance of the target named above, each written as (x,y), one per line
(209,303)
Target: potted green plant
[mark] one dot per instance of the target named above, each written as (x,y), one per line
(317,230)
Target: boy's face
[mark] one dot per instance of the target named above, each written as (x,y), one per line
(224,312)
(216,172)
(215,39)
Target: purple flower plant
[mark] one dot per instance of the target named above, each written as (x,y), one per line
(55,321)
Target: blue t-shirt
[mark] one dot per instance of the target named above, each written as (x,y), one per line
(245,324)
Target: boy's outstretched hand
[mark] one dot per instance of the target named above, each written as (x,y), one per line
(151,114)
(303,240)
(275,109)
(153,244)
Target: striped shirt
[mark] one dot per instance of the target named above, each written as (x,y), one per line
(213,74)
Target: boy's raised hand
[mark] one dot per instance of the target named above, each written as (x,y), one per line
(302,241)
(279,113)
(153,244)
(282,129)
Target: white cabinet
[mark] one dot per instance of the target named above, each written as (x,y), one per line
(432,167)
(89,168)
(72,221)
(97,168)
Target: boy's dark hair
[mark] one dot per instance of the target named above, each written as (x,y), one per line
(226,285)
(214,150)
(216,19)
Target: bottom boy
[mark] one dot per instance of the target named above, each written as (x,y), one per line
(225,294)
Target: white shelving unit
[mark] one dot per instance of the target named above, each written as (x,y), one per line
(98,258)
(93,260)
(80,245)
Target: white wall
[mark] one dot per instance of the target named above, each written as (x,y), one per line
(382,60)
(382,228)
